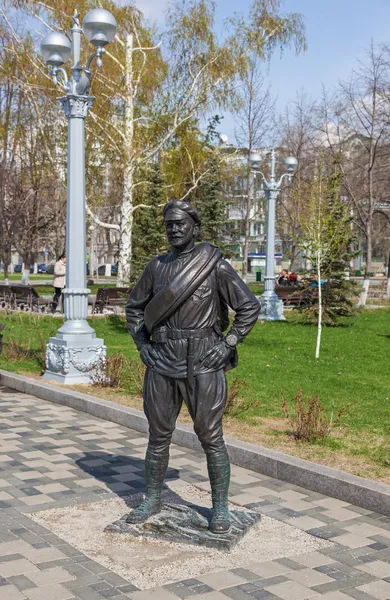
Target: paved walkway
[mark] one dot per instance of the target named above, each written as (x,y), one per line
(52,457)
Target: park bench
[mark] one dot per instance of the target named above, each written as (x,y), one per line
(6,297)
(295,295)
(26,298)
(110,298)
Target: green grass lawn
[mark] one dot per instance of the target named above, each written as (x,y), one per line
(17,277)
(256,288)
(276,360)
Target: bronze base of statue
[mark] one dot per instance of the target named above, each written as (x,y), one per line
(188,525)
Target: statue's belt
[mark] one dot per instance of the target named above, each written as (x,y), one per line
(162,334)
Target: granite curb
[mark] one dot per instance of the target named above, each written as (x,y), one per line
(371,495)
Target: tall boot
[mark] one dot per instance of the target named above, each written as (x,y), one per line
(156,465)
(218,466)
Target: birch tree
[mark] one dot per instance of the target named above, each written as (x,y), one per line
(27,181)
(356,123)
(325,229)
(9,130)
(155,86)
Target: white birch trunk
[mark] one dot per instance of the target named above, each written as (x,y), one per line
(364,293)
(126,216)
(25,276)
(319,328)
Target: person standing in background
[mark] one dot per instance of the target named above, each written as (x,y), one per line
(59,280)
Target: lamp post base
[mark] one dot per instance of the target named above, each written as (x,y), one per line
(69,361)
(271,308)
(71,355)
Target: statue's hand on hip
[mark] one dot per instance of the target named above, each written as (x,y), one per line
(148,355)
(217,357)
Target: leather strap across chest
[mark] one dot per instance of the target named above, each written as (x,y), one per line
(203,260)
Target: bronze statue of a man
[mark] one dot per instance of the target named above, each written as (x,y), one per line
(176,314)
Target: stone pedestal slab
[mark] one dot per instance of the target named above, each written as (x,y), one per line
(185,524)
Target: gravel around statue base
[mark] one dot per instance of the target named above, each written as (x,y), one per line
(185,524)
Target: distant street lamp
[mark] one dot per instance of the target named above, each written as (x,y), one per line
(271,306)
(71,354)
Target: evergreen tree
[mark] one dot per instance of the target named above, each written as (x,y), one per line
(149,230)
(208,197)
(338,291)
(211,205)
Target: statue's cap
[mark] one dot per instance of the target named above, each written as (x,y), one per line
(180,205)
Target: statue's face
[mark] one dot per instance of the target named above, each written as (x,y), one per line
(180,228)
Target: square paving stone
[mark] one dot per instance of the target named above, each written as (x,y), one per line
(377,589)
(49,592)
(221,579)
(377,568)
(309,577)
(236,593)
(292,591)
(10,592)
(22,582)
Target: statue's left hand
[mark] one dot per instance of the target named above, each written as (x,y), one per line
(217,357)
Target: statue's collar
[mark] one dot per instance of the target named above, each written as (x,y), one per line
(177,254)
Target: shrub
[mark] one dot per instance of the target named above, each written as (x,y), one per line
(116,370)
(109,371)
(308,419)
(16,349)
(13,350)
(41,352)
(137,368)
(233,403)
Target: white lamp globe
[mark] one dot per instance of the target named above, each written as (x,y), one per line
(99,27)
(55,49)
(291,164)
(255,159)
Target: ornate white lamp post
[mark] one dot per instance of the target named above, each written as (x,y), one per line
(71,354)
(271,306)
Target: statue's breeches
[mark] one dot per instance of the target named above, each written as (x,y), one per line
(163,398)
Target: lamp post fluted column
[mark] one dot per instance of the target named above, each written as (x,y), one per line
(71,354)
(271,306)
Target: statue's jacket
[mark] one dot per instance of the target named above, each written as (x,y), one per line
(202,316)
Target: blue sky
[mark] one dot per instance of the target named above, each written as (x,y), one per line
(338,33)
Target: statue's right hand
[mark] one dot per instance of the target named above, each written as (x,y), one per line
(148,355)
